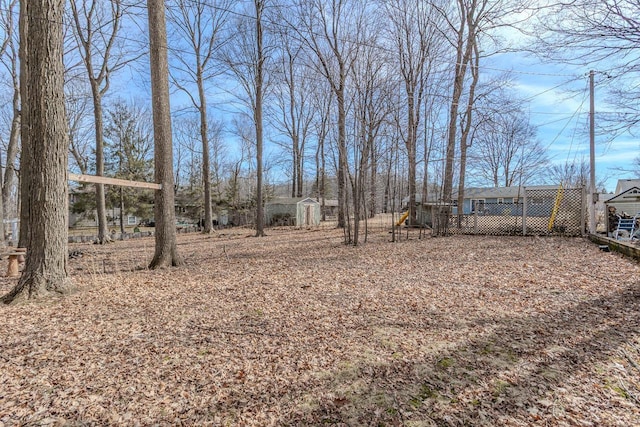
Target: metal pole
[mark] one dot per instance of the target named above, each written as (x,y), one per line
(592,157)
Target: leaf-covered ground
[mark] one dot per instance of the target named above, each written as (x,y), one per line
(298,329)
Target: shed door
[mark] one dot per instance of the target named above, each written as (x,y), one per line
(308,212)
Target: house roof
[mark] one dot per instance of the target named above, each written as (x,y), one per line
(487,193)
(502,192)
(629,195)
(625,184)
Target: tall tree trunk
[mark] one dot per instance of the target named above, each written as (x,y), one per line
(294,174)
(101,205)
(23,180)
(464,137)
(3,234)
(45,151)
(12,152)
(373,187)
(411,154)
(259,4)
(206,162)
(342,160)
(463,52)
(122,230)
(166,250)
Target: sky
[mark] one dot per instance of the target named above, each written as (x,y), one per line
(559,107)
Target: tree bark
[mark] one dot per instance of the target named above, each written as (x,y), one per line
(166,251)
(259,4)
(343,220)
(12,150)
(206,162)
(464,137)
(45,152)
(122,229)
(23,205)
(464,46)
(101,205)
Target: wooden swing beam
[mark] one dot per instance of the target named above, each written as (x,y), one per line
(113,181)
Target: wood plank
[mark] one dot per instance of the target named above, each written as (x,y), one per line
(625,247)
(113,181)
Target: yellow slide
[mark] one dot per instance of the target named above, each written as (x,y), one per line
(402,218)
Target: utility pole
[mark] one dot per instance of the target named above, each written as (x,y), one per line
(592,157)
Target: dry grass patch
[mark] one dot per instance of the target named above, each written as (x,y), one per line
(297,329)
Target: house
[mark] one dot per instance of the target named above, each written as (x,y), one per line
(625,201)
(494,201)
(299,212)
(83,214)
(627,197)
(509,200)
(626,184)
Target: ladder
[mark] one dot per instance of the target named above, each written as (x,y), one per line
(556,207)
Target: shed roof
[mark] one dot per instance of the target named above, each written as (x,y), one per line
(291,200)
(330,202)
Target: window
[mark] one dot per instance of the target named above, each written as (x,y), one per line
(477,205)
(500,201)
(132,220)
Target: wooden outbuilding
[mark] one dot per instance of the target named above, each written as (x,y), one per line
(299,212)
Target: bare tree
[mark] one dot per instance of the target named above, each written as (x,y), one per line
(505,149)
(571,174)
(166,249)
(465,126)
(10,61)
(330,30)
(77,105)
(246,60)
(198,26)
(188,154)
(372,89)
(415,39)
(218,158)
(470,24)
(188,159)
(322,104)
(45,150)
(603,35)
(96,25)
(465,30)
(293,102)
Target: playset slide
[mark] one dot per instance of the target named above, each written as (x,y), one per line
(402,218)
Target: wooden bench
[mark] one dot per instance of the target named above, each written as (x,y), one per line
(15,258)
